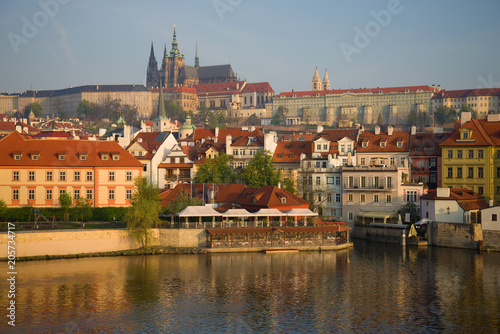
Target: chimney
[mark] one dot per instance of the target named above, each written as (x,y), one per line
(413,130)
(390,130)
(439,88)
(438,130)
(19,128)
(229,142)
(216,134)
(443,192)
(319,129)
(465,117)
(493,118)
(252,128)
(377,130)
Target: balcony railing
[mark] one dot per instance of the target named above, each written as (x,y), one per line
(177,176)
(355,186)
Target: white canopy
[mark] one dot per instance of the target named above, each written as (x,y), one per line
(237,213)
(198,211)
(301,212)
(266,212)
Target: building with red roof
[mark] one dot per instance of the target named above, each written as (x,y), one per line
(36,171)
(482,100)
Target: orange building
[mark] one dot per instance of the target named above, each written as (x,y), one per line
(35,172)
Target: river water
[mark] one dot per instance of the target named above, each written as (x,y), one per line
(373,287)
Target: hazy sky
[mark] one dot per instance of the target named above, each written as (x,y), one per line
(53,44)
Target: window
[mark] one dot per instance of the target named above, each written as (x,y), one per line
(349,198)
(459,154)
(62,156)
(494,217)
(389,199)
(76,176)
(31,194)
(459,172)
(465,135)
(111,176)
(309,180)
(376,182)
(375,198)
(450,172)
(362,161)
(450,154)
(104,157)
(363,181)
(402,161)
(319,198)
(76,194)
(337,180)
(116,157)
(498,171)
(145,168)
(111,194)
(393,161)
(480,172)
(388,182)
(470,154)
(61,191)
(325,146)
(400,144)
(433,162)
(338,198)
(31,176)
(480,190)
(48,176)
(411,196)
(48,194)
(470,172)
(318,147)
(318,180)
(329,198)
(382,144)
(62,176)
(89,176)
(350,216)
(17,156)
(362,198)
(15,194)
(15,176)
(480,154)
(129,176)
(89,193)
(129,194)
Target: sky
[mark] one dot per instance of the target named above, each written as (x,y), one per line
(54,44)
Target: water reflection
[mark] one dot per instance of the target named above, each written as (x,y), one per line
(371,288)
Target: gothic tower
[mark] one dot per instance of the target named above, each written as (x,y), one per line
(152,76)
(316,82)
(173,65)
(196,58)
(326,81)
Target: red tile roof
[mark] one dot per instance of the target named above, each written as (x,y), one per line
(270,197)
(484,133)
(384,90)
(258,87)
(290,151)
(49,149)
(10,126)
(219,87)
(466,198)
(427,144)
(179,89)
(463,93)
(53,134)
(374,140)
(149,143)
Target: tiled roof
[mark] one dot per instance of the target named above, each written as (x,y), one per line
(335,135)
(258,87)
(466,198)
(270,197)
(178,89)
(484,133)
(290,151)
(151,141)
(53,134)
(219,87)
(303,136)
(373,91)
(50,149)
(463,93)
(390,142)
(427,144)
(100,88)
(10,126)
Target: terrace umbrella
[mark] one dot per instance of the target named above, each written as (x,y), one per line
(266,212)
(198,211)
(300,212)
(240,213)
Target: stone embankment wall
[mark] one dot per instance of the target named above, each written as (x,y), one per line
(491,240)
(39,243)
(457,235)
(382,234)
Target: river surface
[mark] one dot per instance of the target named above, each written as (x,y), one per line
(371,288)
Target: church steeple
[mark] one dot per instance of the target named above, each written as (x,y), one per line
(152,75)
(326,81)
(196,58)
(316,81)
(174,52)
(161,104)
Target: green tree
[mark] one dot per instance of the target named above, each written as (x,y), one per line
(280,116)
(414,212)
(468,108)
(288,185)
(129,114)
(143,214)
(34,107)
(216,170)
(83,207)
(181,202)
(260,171)
(3,208)
(380,120)
(66,201)
(412,118)
(174,111)
(83,109)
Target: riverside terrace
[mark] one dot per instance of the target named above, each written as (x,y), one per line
(278,237)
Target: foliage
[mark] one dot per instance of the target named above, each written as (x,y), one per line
(444,115)
(275,120)
(252,120)
(467,108)
(181,202)
(288,185)
(173,111)
(260,171)
(3,208)
(35,107)
(380,120)
(83,207)
(83,109)
(66,201)
(412,118)
(421,118)
(143,214)
(107,109)
(280,117)
(414,212)
(216,170)
(129,114)
(109,213)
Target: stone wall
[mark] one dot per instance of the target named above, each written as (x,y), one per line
(491,239)
(382,234)
(457,235)
(36,243)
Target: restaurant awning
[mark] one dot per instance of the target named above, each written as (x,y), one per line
(237,213)
(266,212)
(198,211)
(300,212)
(378,214)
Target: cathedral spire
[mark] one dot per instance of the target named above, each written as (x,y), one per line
(161,104)
(326,81)
(316,81)
(175,50)
(196,58)
(165,51)
(152,53)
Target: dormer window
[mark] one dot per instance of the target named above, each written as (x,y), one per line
(466,135)
(364,144)
(400,144)
(104,155)
(17,155)
(115,156)
(383,143)
(83,156)
(283,200)
(35,155)
(61,155)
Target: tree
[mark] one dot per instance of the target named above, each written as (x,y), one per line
(468,108)
(83,109)
(412,118)
(174,111)
(143,214)
(129,113)
(421,118)
(181,202)
(414,212)
(444,115)
(216,170)
(260,171)
(66,201)
(3,208)
(34,107)
(83,207)
(288,185)
(380,120)
(280,117)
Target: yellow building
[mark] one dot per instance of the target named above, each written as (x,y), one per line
(35,172)
(471,158)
